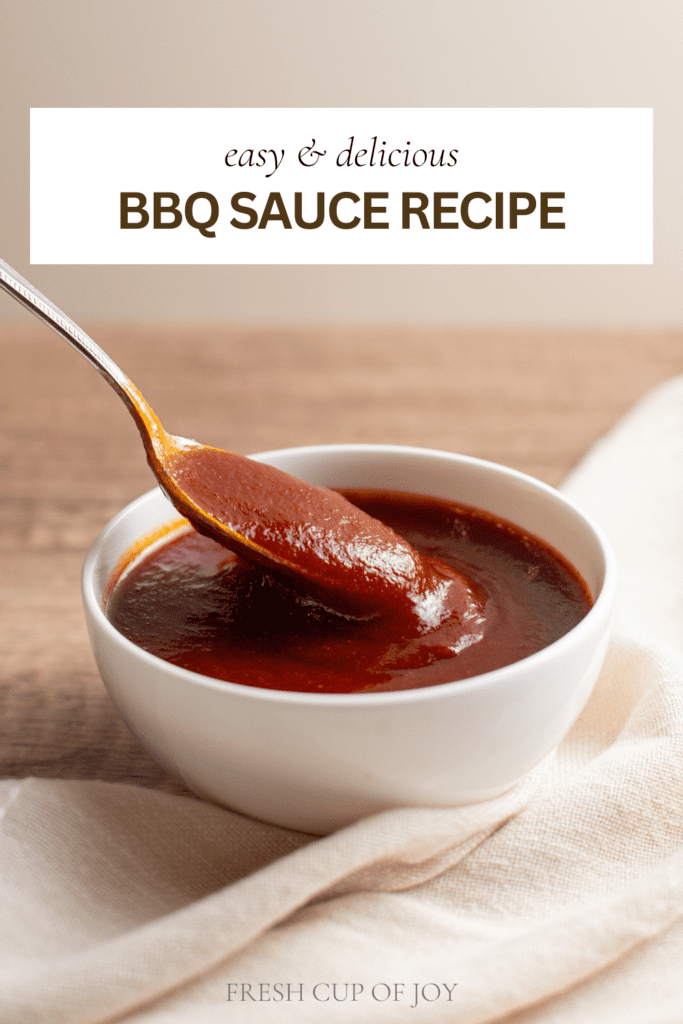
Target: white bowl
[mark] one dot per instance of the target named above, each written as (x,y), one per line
(315,762)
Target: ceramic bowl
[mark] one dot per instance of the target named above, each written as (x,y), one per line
(316,762)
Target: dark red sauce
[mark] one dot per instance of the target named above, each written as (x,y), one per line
(349,561)
(193,603)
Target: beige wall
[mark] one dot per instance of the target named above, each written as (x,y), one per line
(349,53)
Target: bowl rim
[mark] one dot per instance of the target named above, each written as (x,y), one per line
(506,674)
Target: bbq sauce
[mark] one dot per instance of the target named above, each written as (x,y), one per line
(197,605)
(315,538)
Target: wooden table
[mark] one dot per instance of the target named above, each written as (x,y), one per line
(71,458)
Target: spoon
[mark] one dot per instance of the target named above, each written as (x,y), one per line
(348,560)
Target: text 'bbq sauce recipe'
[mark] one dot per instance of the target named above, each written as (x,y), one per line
(484,594)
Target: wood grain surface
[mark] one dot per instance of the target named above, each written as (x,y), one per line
(71,458)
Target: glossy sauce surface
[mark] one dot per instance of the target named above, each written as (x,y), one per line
(349,561)
(191,602)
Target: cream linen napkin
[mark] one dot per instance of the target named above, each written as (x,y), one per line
(560,902)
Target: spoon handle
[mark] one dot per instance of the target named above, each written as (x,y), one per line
(20,289)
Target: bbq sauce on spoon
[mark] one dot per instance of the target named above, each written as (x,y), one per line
(318,541)
(486,594)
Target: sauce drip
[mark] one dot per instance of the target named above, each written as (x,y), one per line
(199,606)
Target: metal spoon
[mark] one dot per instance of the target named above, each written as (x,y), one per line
(259,512)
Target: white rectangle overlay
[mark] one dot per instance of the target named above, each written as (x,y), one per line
(341,186)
